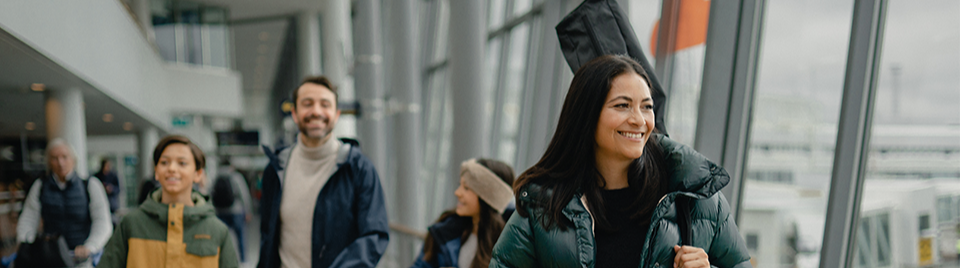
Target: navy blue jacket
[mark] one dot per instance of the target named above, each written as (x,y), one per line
(350,225)
(447,234)
(66,212)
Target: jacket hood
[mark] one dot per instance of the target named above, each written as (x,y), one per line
(690,172)
(199,211)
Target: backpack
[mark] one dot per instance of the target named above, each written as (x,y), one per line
(222,195)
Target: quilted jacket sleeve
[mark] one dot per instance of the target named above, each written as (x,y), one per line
(728,248)
(515,247)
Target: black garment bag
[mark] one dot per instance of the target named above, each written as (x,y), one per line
(600,27)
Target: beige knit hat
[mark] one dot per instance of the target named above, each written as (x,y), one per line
(487,185)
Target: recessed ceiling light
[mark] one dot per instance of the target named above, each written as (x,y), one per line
(38,87)
(128,126)
(30,126)
(264,36)
(108,118)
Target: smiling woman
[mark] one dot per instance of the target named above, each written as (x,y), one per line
(608,192)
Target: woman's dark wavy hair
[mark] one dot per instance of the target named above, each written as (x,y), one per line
(491,223)
(569,167)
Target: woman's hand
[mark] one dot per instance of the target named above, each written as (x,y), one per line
(690,257)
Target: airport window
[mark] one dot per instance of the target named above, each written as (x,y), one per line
(513,26)
(437,103)
(799,81)
(915,122)
(683,67)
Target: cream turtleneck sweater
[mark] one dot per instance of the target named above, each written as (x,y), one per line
(306,174)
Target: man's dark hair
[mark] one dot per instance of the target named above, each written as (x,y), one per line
(319,80)
(198,158)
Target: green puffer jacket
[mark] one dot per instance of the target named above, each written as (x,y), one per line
(525,243)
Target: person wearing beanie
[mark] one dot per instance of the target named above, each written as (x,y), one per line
(175,226)
(464,237)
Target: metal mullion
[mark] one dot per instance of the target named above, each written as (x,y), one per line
(535,115)
(529,82)
(509,23)
(426,56)
(853,134)
(499,83)
(666,39)
(498,95)
(726,96)
(737,134)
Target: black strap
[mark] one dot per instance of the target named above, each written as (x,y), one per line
(683,220)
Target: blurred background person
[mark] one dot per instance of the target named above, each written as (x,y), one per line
(231,198)
(464,237)
(68,205)
(111,184)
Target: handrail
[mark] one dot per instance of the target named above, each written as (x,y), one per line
(403,229)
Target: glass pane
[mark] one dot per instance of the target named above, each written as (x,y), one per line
(443,31)
(521,6)
(514,79)
(644,16)
(796,109)
(683,85)
(438,128)
(883,239)
(913,168)
(495,13)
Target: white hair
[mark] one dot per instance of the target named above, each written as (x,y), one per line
(58,142)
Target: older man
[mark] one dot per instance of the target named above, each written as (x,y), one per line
(68,205)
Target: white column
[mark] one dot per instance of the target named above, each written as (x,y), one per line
(308,43)
(65,119)
(407,86)
(471,117)
(337,56)
(337,45)
(369,86)
(147,140)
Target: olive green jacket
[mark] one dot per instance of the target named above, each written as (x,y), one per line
(161,235)
(525,243)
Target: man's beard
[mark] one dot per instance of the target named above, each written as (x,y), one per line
(325,131)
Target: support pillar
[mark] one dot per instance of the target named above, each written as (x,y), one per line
(471,117)
(337,50)
(407,86)
(65,120)
(146,141)
(369,83)
(308,43)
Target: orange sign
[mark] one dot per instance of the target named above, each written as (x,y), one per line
(691,26)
